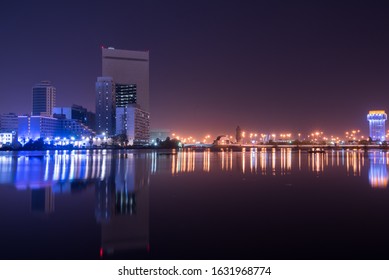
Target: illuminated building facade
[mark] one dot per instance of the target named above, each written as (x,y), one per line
(105,106)
(43,99)
(8,122)
(377,121)
(7,138)
(75,112)
(135,123)
(125,95)
(75,120)
(75,128)
(35,127)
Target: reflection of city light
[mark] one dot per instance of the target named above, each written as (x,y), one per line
(193,160)
(49,167)
(46,177)
(173,164)
(243,161)
(299,159)
(153,162)
(289,160)
(206,161)
(103,167)
(230,160)
(253,160)
(223,160)
(378,172)
(282,161)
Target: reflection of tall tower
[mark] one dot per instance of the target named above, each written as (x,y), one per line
(42,200)
(377,125)
(122,205)
(378,171)
(105,192)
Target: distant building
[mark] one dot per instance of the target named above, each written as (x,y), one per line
(75,128)
(222,140)
(125,84)
(105,106)
(238,135)
(79,113)
(135,123)
(43,99)
(91,120)
(7,138)
(76,113)
(377,120)
(8,122)
(35,127)
(62,112)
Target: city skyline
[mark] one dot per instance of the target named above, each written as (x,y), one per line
(263,66)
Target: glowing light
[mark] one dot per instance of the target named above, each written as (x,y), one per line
(376,112)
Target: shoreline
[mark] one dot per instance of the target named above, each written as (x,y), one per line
(219,148)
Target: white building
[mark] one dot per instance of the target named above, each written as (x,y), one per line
(7,138)
(135,123)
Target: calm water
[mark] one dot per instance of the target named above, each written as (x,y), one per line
(258,204)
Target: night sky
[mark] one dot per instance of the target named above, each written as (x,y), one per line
(269,66)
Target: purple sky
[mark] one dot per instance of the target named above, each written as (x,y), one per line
(269,66)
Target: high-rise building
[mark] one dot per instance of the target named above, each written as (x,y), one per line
(128,68)
(377,120)
(43,99)
(105,106)
(125,84)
